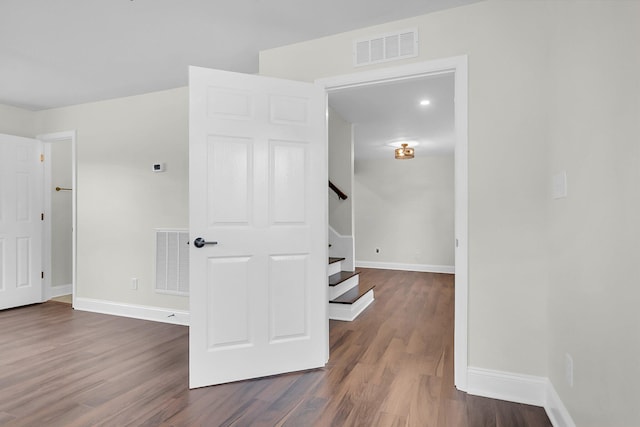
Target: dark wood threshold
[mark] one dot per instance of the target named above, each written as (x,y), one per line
(336,279)
(353,295)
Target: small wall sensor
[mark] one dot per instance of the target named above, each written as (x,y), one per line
(158,167)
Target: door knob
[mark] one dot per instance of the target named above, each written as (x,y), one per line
(200,242)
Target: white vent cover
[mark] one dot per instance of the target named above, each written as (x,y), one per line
(385,47)
(172,262)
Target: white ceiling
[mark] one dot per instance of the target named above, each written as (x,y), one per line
(63,52)
(382,114)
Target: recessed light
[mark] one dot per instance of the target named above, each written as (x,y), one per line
(425,102)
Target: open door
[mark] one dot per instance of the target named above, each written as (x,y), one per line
(21,206)
(258,217)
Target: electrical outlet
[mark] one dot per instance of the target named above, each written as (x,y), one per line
(134,284)
(568,369)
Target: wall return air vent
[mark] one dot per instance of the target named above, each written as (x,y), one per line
(172,262)
(385,47)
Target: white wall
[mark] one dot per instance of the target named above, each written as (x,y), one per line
(553,86)
(405,209)
(16,121)
(340,173)
(119,199)
(507,50)
(594,111)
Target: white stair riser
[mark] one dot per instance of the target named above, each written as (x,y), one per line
(348,312)
(334,268)
(336,291)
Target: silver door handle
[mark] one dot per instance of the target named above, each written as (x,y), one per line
(200,242)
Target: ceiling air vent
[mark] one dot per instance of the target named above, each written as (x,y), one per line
(385,47)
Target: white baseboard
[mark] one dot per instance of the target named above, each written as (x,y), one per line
(527,389)
(157,314)
(60,290)
(556,411)
(507,386)
(425,268)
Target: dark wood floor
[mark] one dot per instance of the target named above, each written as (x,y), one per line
(393,366)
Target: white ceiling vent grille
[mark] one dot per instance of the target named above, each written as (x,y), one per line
(172,262)
(385,47)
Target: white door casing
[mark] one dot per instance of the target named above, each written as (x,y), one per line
(457,65)
(49,139)
(21,175)
(257,187)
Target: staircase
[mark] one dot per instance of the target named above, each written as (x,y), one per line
(347,296)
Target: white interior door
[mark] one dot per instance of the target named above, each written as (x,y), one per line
(21,199)
(257,187)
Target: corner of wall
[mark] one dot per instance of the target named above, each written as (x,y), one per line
(17,121)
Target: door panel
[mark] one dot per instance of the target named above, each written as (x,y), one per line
(287,300)
(21,203)
(257,188)
(228,316)
(229,179)
(288,181)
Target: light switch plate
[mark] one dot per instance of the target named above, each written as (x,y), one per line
(559,185)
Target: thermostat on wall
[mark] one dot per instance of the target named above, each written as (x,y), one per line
(158,167)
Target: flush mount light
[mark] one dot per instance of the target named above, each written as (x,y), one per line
(404,152)
(425,102)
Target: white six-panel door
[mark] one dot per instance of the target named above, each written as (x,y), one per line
(258,188)
(21,181)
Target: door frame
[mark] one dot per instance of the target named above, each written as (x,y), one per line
(47,139)
(458,66)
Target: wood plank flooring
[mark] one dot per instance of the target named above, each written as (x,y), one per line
(393,366)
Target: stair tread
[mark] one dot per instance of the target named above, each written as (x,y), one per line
(336,279)
(332,260)
(353,295)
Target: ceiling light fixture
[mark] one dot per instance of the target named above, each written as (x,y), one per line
(425,102)
(404,152)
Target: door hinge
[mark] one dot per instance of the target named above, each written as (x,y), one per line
(42,216)
(42,274)
(41,157)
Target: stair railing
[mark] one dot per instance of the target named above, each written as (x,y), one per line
(339,192)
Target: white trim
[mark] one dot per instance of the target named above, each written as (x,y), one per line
(157,314)
(342,247)
(461,196)
(60,290)
(556,411)
(519,388)
(341,288)
(459,66)
(334,267)
(46,251)
(425,268)
(348,312)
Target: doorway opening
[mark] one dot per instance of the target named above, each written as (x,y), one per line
(59,237)
(458,67)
